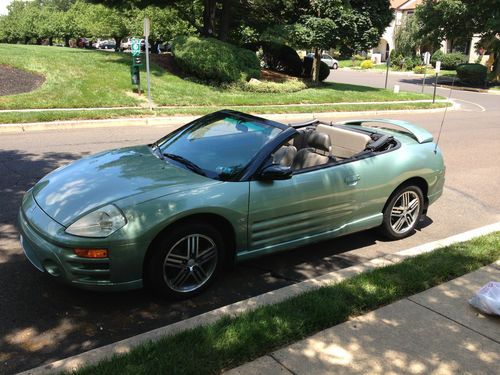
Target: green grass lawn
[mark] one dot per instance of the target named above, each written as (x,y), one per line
(46,116)
(80,78)
(233,341)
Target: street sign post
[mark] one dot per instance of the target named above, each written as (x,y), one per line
(438,69)
(427,60)
(147,28)
(135,46)
(135,71)
(388,62)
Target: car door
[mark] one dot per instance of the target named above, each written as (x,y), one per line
(309,206)
(327,59)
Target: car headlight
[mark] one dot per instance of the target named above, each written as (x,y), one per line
(99,223)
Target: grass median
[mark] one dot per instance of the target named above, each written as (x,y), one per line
(47,116)
(76,78)
(233,341)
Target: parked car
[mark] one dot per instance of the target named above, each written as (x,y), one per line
(126,44)
(327,59)
(225,187)
(106,44)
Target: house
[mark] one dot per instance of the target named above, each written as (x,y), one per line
(402,9)
(406,8)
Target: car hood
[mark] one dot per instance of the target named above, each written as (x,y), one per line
(82,186)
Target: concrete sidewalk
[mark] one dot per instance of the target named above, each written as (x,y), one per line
(435,332)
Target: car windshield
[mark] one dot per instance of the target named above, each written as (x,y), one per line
(219,146)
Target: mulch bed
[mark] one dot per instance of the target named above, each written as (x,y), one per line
(15,81)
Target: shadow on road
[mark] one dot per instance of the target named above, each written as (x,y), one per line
(42,320)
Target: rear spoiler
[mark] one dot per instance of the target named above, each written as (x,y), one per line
(416,132)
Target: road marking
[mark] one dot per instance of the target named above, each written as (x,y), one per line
(466,101)
(124,346)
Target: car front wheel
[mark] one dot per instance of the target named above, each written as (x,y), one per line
(402,212)
(335,66)
(186,260)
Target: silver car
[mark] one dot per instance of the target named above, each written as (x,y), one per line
(327,59)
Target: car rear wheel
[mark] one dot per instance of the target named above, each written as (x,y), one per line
(186,260)
(403,212)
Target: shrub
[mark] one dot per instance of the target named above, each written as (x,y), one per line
(324,70)
(405,63)
(281,58)
(292,85)
(449,61)
(212,60)
(421,69)
(367,64)
(472,74)
(358,57)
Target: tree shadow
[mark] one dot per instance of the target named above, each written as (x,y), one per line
(42,320)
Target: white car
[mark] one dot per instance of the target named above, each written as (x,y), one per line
(327,59)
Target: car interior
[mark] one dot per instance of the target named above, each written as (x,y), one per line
(318,143)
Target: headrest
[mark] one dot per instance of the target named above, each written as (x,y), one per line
(320,141)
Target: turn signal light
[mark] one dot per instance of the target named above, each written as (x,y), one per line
(92,253)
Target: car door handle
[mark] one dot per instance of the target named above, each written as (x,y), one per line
(352,180)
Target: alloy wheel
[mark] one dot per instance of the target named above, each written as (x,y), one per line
(405,211)
(190,263)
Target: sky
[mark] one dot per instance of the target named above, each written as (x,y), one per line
(3,6)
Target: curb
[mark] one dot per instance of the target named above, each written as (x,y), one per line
(124,346)
(181,120)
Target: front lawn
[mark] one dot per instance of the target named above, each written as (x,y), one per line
(45,116)
(233,341)
(81,78)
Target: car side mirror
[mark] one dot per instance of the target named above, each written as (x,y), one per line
(275,172)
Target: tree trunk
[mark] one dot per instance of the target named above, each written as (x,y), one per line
(209,7)
(51,41)
(224,23)
(66,41)
(316,65)
(496,67)
(118,41)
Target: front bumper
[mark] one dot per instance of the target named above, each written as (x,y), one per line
(45,245)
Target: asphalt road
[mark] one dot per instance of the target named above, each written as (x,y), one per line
(41,320)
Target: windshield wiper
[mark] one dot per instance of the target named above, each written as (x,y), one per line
(188,163)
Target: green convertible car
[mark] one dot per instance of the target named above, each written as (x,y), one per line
(223,188)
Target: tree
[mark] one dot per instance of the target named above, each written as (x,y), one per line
(316,33)
(461,19)
(408,40)
(348,25)
(166,23)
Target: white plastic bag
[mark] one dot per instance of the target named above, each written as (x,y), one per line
(487,299)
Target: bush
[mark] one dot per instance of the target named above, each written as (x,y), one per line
(212,60)
(281,58)
(324,70)
(405,63)
(449,61)
(472,74)
(358,57)
(367,64)
(421,69)
(292,85)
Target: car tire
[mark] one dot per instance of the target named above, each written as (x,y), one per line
(335,66)
(185,260)
(402,212)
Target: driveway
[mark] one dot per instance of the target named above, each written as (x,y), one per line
(41,320)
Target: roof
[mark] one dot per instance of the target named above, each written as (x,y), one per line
(405,4)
